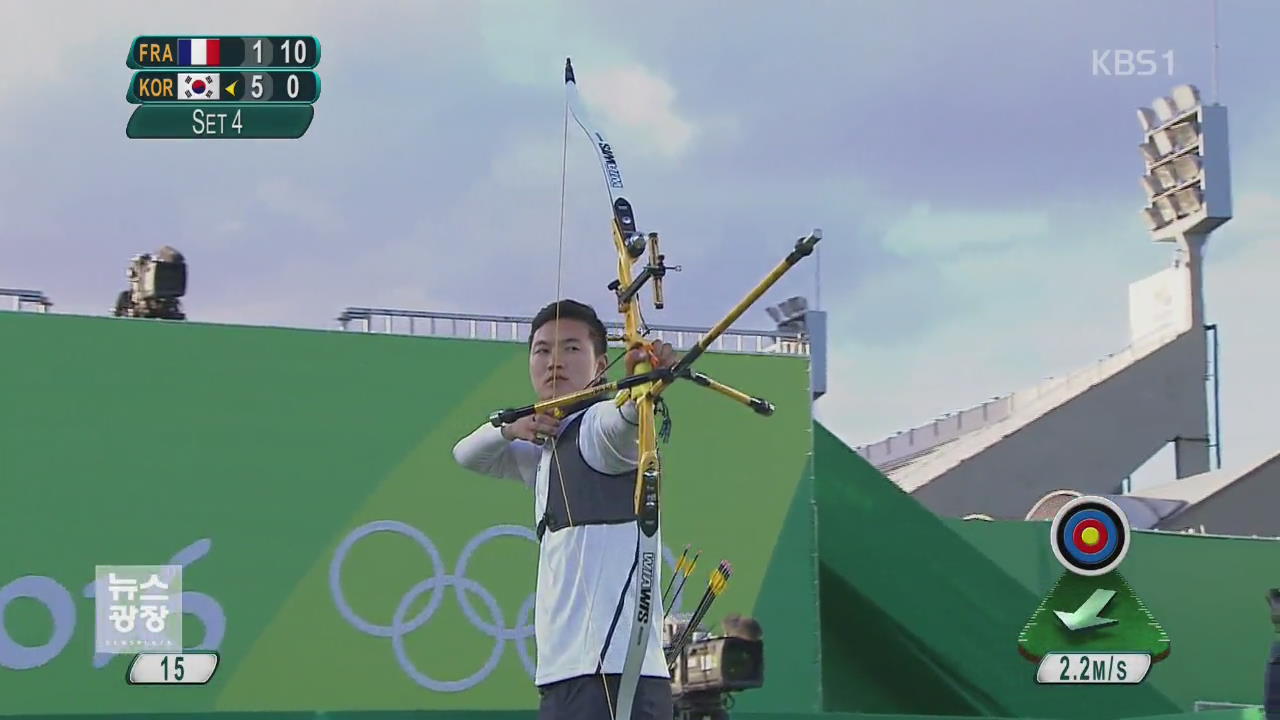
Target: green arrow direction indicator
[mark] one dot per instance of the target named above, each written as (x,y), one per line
(1086,616)
(1128,626)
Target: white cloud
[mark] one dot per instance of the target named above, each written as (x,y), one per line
(1242,296)
(635,100)
(946,329)
(930,233)
(1051,309)
(527,161)
(291,199)
(1257,219)
(526,43)
(991,297)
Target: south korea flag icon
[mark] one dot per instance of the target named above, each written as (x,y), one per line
(198,86)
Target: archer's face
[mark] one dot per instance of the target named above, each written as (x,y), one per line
(562,358)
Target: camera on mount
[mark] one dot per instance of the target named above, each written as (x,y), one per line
(156,282)
(711,667)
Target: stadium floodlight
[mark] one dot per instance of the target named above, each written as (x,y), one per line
(1187,174)
(792,308)
(1165,109)
(1184,135)
(1186,168)
(1188,201)
(1185,98)
(1149,152)
(1147,118)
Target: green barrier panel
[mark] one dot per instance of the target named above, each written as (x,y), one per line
(1208,594)
(941,602)
(915,619)
(259,451)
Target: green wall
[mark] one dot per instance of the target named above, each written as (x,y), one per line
(921,614)
(1207,592)
(255,452)
(132,440)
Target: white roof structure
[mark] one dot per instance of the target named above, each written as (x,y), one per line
(1086,431)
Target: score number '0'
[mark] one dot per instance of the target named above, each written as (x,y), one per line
(255,86)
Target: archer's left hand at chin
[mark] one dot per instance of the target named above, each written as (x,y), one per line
(658,354)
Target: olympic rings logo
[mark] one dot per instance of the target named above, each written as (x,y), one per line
(495,627)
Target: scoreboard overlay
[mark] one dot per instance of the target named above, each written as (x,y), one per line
(229,87)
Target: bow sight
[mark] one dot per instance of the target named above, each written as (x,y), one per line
(634,243)
(661,378)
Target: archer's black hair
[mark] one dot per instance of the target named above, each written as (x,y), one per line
(573,310)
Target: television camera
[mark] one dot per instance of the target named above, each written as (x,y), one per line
(156,282)
(707,668)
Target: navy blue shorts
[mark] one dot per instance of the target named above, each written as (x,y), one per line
(584,698)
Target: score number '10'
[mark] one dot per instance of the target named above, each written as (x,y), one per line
(295,51)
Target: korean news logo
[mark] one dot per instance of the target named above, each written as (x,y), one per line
(1126,63)
(137,608)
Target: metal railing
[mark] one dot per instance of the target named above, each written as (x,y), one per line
(909,444)
(1026,404)
(510,328)
(27,297)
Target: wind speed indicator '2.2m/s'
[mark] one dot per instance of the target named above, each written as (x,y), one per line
(1092,627)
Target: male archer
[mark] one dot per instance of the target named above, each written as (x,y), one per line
(582,470)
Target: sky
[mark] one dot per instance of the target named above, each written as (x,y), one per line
(975,177)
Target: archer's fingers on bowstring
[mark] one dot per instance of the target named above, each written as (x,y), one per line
(664,353)
(545,426)
(635,356)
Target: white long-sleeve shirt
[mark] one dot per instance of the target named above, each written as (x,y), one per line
(582,568)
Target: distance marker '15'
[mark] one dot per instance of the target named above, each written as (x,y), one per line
(195,667)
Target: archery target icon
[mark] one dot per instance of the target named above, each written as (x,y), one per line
(1090,535)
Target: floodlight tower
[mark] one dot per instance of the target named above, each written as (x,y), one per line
(794,316)
(1188,176)
(1188,186)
